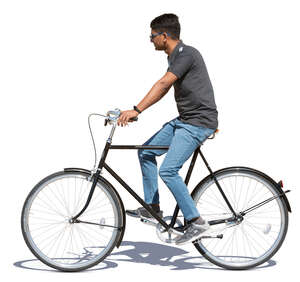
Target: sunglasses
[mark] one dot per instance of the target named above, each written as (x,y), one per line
(153,35)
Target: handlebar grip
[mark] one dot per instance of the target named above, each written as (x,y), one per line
(107,120)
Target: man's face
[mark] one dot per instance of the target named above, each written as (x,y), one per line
(158,39)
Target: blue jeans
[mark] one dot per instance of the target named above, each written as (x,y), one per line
(182,139)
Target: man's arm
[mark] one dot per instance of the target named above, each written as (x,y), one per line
(158,90)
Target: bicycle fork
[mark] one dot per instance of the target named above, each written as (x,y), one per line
(95,178)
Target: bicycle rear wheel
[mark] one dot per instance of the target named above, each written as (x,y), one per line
(258,236)
(53,238)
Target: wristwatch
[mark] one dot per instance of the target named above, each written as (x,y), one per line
(136,109)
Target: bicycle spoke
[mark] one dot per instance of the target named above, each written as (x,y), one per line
(246,195)
(50,207)
(229,196)
(211,204)
(221,202)
(80,197)
(62,197)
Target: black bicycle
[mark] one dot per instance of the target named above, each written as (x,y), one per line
(73,219)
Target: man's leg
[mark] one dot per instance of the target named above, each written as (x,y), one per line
(186,139)
(148,162)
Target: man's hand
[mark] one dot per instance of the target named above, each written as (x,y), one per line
(126,116)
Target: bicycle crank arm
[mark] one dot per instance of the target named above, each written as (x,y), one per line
(263,203)
(99,224)
(154,223)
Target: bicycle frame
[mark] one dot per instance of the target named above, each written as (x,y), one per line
(102,165)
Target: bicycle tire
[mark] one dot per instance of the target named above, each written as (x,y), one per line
(84,255)
(266,225)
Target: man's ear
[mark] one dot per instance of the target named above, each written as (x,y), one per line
(165,36)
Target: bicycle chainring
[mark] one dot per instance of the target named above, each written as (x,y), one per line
(165,236)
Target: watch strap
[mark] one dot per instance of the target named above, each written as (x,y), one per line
(137,109)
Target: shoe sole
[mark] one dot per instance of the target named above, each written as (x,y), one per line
(193,238)
(132,214)
(139,216)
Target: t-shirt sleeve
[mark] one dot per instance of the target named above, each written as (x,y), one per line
(181,65)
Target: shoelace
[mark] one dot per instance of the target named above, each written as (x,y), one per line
(190,232)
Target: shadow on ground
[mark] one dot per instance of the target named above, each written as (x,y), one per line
(145,253)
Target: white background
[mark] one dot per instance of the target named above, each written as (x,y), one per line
(61,60)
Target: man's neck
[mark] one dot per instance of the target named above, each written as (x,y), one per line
(171,46)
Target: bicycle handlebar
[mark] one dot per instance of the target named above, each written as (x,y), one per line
(112,116)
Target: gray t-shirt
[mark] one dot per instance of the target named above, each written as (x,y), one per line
(194,94)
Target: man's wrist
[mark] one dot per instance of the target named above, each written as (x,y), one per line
(137,109)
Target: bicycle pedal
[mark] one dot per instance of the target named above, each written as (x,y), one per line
(230,224)
(181,228)
(220,236)
(176,232)
(148,221)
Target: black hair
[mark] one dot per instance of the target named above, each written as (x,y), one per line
(167,23)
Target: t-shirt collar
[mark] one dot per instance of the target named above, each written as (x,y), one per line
(174,52)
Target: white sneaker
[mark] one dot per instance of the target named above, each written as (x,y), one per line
(193,231)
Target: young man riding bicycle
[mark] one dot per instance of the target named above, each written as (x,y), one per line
(197,120)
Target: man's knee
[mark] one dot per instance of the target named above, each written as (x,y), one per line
(145,154)
(166,172)
(140,153)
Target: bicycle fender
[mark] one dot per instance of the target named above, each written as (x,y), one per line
(242,168)
(89,173)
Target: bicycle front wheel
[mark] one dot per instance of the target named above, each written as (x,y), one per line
(258,236)
(50,234)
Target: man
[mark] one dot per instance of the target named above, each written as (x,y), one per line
(197,120)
